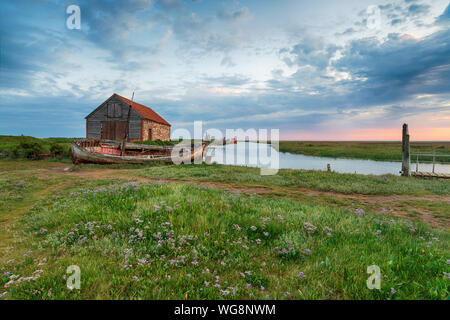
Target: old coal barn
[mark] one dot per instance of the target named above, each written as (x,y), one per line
(109,121)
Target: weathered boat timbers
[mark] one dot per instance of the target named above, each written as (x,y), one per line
(109,152)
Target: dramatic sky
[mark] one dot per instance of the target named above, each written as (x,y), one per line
(317,69)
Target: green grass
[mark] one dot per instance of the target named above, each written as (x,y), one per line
(190,234)
(9,143)
(151,241)
(320,180)
(159,142)
(381,151)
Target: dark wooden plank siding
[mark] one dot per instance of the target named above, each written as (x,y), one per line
(94,121)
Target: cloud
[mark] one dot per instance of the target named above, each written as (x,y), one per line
(201,36)
(227,64)
(418,9)
(444,18)
(170,4)
(398,67)
(312,52)
(238,15)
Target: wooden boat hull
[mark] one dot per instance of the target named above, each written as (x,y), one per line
(108,152)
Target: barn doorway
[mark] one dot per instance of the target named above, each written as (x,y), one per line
(149,134)
(113,130)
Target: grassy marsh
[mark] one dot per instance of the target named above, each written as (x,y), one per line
(157,240)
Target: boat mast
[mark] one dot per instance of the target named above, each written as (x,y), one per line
(125,137)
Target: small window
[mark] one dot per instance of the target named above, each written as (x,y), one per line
(149,134)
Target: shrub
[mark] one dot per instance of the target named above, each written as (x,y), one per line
(57,150)
(28,149)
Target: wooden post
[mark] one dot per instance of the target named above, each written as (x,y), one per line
(434,158)
(417,160)
(329,167)
(405,151)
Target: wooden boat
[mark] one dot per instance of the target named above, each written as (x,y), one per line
(109,152)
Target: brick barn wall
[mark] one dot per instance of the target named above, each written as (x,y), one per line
(159,131)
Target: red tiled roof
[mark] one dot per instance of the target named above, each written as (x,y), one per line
(144,111)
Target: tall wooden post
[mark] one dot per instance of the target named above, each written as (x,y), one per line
(405,151)
(434,158)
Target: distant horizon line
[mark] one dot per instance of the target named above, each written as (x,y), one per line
(307,140)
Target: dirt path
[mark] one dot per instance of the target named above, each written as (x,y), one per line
(250,188)
(391,204)
(8,220)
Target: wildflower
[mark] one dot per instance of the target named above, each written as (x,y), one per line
(448,262)
(223,263)
(249,285)
(135,278)
(253,228)
(393,291)
(309,227)
(237,227)
(206,283)
(301,275)
(266,234)
(262,288)
(205,271)
(82,240)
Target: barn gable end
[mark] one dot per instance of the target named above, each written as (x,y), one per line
(108,121)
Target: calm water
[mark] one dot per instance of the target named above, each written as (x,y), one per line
(263,155)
